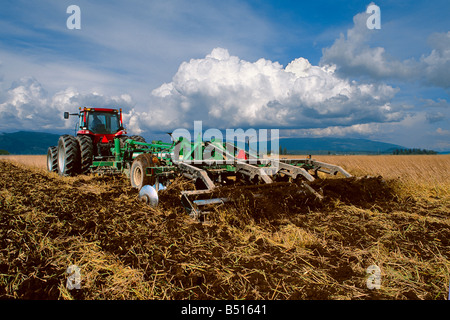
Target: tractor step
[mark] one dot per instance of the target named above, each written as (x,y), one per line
(105,170)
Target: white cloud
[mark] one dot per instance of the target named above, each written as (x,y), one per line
(440,103)
(436,65)
(353,56)
(27,106)
(433,117)
(443,132)
(335,131)
(225,92)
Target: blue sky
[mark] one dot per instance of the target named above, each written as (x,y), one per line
(308,68)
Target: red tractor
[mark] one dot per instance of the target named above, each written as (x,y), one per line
(93,142)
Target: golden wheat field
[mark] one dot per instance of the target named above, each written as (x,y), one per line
(280,248)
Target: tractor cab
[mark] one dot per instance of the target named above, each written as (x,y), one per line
(101,121)
(99,126)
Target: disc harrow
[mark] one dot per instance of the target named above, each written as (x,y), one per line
(219,170)
(225,173)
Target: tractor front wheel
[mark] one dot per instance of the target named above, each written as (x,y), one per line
(68,156)
(86,153)
(52,159)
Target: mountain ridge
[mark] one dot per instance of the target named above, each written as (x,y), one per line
(33,143)
(337,145)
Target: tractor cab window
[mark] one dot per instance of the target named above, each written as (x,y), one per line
(103,122)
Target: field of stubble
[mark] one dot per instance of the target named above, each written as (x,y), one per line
(276,247)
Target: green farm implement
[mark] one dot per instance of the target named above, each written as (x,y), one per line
(213,166)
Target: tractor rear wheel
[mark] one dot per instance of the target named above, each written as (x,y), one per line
(86,153)
(122,139)
(138,138)
(138,177)
(52,159)
(68,156)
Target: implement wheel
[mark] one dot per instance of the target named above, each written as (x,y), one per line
(68,156)
(138,177)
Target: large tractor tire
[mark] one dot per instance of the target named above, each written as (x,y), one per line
(122,139)
(68,156)
(52,159)
(86,153)
(138,177)
(138,138)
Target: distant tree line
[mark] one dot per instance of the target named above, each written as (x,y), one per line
(283,150)
(413,151)
(3,152)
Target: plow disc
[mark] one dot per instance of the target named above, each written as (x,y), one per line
(200,203)
(149,195)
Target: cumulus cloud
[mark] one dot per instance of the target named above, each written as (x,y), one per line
(433,117)
(26,105)
(436,65)
(355,130)
(440,103)
(443,132)
(225,92)
(353,56)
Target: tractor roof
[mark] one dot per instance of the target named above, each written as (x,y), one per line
(101,109)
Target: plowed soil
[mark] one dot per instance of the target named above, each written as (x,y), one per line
(281,244)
